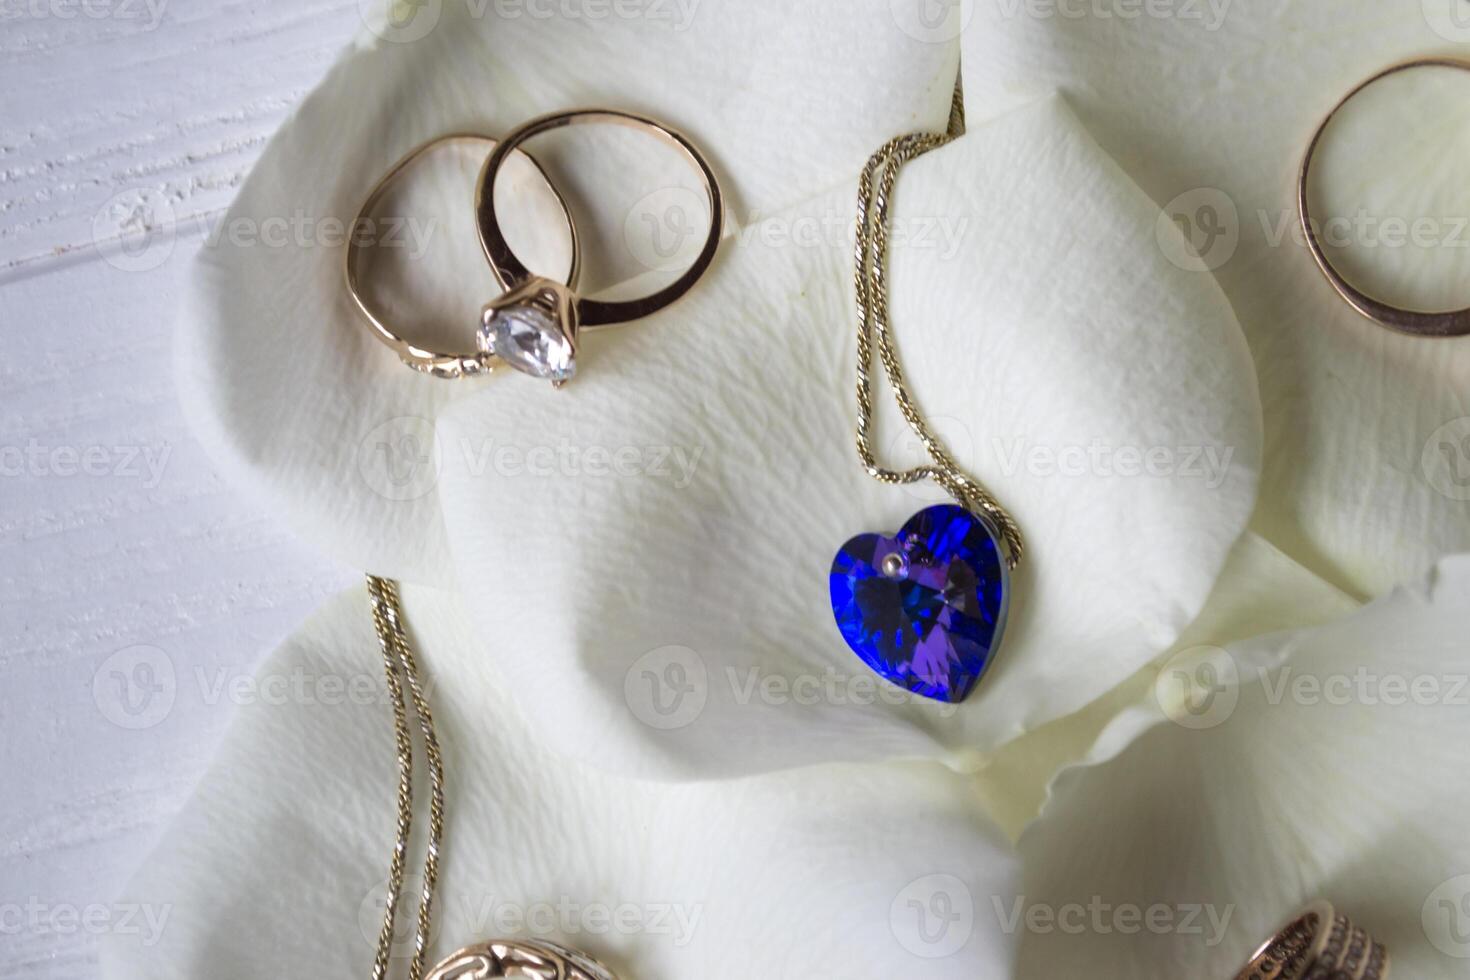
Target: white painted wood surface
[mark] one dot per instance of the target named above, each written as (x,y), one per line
(134,582)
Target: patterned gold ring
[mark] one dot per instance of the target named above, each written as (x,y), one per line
(1319,943)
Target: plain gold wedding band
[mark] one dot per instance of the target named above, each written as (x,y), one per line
(1451,323)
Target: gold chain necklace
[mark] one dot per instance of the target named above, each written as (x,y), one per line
(871,282)
(401,669)
(926,607)
(499,958)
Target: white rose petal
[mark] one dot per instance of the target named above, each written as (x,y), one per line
(1328,767)
(277,867)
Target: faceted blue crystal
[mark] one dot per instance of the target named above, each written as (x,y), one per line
(924,608)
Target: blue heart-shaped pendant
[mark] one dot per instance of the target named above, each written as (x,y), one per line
(926,607)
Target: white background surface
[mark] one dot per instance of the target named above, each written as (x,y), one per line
(112,567)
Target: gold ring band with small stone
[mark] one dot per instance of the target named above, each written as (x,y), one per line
(440,364)
(1318,944)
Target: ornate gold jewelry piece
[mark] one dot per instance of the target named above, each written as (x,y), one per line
(534,326)
(1453,323)
(437,363)
(1318,944)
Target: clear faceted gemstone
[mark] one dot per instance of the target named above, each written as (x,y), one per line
(530,340)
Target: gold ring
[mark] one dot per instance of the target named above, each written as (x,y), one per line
(437,363)
(1318,944)
(1451,323)
(534,325)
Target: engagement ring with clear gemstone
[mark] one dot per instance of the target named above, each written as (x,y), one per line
(534,326)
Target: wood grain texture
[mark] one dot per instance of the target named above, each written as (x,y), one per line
(137,589)
(143,96)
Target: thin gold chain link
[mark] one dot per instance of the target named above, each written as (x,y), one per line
(875,191)
(401,669)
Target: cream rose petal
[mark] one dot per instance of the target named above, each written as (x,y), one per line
(1209,107)
(649,548)
(282,380)
(276,867)
(1259,591)
(1319,763)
